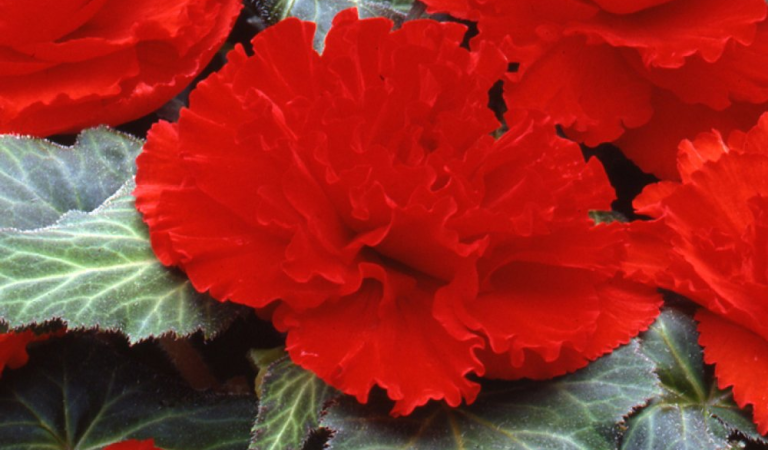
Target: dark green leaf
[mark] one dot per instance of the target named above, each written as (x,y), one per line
(91,268)
(322,12)
(262,359)
(583,410)
(692,413)
(78,394)
(672,343)
(291,401)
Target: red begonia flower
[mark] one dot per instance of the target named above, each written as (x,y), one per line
(711,245)
(70,64)
(132,444)
(644,74)
(13,348)
(360,197)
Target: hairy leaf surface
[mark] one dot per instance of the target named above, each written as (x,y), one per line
(93,267)
(40,180)
(291,403)
(692,413)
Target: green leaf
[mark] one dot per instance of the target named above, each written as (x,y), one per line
(672,343)
(291,402)
(262,359)
(322,12)
(91,269)
(97,270)
(78,394)
(692,413)
(583,410)
(606,216)
(40,181)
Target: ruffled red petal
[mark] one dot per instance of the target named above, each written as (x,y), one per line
(653,147)
(741,361)
(548,321)
(642,74)
(669,33)
(133,444)
(102,62)
(13,348)
(214,244)
(738,75)
(385,334)
(710,244)
(558,331)
(628,6)
(458,8)
(40,20)
(623,309)
(595,103)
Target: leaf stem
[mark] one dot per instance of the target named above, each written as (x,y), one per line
(189,363)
